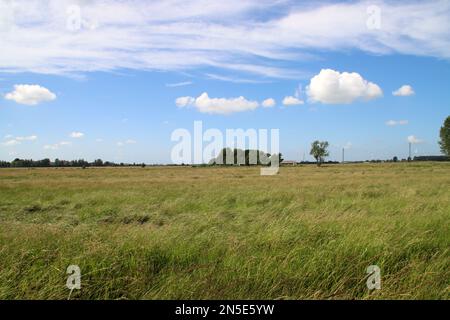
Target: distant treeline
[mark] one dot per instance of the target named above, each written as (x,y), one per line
(29,163)
(432,158)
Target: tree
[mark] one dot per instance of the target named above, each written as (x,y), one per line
(445,137)
(98,163)
(280,158)
(319,151)
(395,159)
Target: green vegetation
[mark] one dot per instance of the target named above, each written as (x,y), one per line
(228,156)
(444,134)
(319,150)
(226,232)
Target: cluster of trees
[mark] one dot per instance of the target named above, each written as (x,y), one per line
(228,156)
(81,163)
(432,158)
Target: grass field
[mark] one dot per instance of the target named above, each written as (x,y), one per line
(226,233)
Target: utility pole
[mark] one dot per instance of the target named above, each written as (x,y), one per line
(343,155)
(409,158)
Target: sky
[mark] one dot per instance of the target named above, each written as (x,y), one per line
(114,79)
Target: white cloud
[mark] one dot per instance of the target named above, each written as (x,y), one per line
(292,101)
(30,94)
(269,103)
(205,104)
(334,87)
(99,140)
(129,141)
(17,140)
(8,136)
(348,145)
(234,79)
(404,91)
(76,135)
(56,146)
(414,140)
(51,146)
(181,35)
(29,138)
(393,123)
(11,143)
(178,84)
(182,102)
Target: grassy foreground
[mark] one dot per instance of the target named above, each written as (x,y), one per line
(226,233)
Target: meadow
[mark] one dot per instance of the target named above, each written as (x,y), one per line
(226,232)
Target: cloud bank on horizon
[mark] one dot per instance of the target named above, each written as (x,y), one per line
(85,36)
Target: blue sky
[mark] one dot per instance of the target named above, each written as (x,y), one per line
(108,89)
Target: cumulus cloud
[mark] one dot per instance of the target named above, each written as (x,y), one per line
(404,91)
(334,87)
(76,135)
(268,103)
(182,102)
(414,140)
(292,101)
(30,94)
(181,35)
(392,123)
(205,104)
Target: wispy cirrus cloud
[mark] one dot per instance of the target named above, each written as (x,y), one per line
(83,36)
(13,141)
(56,146)
(123,143)
(178,84)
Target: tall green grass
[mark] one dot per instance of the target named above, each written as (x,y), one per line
(226,233)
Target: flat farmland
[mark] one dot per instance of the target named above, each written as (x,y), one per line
(226,232)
